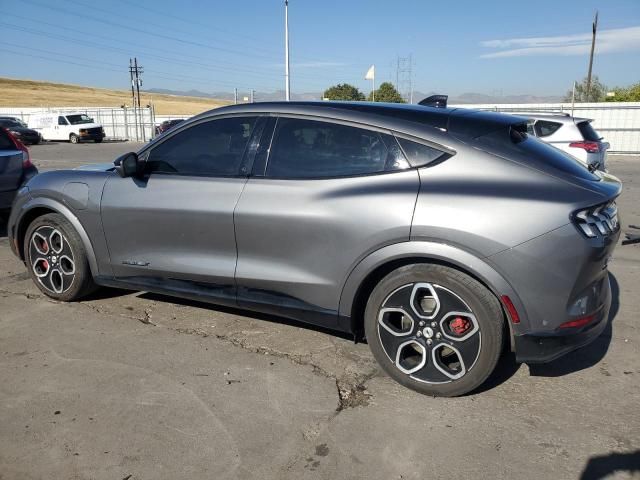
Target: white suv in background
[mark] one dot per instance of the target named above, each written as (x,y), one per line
(570,134)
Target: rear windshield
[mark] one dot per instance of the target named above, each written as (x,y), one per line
(588,132)
(527,149)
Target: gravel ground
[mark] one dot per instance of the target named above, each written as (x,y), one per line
(142,386)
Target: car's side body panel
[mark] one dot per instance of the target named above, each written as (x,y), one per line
(172,227)
(298,239)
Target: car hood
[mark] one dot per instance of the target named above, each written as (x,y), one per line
(96,167)
(24,130)
(87,125)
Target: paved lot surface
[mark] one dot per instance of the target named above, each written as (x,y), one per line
(140,386)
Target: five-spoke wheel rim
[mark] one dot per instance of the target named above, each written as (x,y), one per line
(52,259)
(429,333)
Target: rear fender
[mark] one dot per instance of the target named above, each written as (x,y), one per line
(426,251)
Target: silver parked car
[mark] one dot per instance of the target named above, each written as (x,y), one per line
(573,135)
(441,236)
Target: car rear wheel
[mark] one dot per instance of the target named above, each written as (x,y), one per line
(73,138)
(434,329)
(56,259)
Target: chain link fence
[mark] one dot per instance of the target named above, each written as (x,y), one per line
(119,123)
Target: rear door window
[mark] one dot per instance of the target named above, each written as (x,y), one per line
(318,149)
(588,132)
(544,128)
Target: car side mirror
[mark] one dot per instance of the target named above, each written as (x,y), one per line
(127,165)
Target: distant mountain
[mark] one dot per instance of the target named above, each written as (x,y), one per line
(258,96)
(465,98)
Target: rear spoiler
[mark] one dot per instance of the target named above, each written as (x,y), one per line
(437,101)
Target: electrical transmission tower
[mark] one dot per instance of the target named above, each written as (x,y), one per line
(135,73)
(404,77)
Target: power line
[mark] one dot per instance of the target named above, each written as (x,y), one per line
(88,43)
(145,32)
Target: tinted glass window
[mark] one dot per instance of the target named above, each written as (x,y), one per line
(312,149)
(554,157)
(212,148)
(545,128)
(419,154)
(588,132)
(5,141)
(62,121)
(530,129)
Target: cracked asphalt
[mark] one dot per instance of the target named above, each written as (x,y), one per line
(133,385)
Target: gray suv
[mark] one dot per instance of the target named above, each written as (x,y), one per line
(441,236)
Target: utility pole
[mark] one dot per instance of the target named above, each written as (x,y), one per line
(287,86)
(235,96)
(138,71)
(594,28)
(252,94)
(133,96)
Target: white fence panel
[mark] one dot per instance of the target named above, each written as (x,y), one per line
(118,123)
(617,122)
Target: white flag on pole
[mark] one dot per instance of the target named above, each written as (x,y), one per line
(371,73)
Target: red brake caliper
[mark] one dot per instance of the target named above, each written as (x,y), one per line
(459,325)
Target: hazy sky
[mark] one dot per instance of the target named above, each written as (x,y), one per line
(492,47)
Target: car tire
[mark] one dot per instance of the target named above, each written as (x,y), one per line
(98,140)
(56,259)
(73,138)
(434,329)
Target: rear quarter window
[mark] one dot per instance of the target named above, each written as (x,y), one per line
(588,132)
(544,128)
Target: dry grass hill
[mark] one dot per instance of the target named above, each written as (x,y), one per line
(28,93)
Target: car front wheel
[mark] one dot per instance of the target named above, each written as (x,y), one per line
(434,329)
(56,258)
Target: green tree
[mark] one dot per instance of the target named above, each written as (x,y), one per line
(598,91)
(387,93)
(626,94)
(343,91)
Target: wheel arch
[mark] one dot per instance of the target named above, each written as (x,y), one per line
(42,206)
(366,275)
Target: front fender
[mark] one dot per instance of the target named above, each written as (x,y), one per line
(20,213)
(441,252)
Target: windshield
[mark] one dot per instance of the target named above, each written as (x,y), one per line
(79,119)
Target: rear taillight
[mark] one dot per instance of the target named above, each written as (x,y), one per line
(590,147)
(601,220)
(26,156)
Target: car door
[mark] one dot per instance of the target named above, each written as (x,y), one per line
(61,129)
(173,227)
(330,193)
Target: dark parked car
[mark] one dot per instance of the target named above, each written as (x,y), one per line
(440,235)
(166,125)
(15,119)
(24,134)
(15,167)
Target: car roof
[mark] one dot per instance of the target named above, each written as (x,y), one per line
(462,121)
